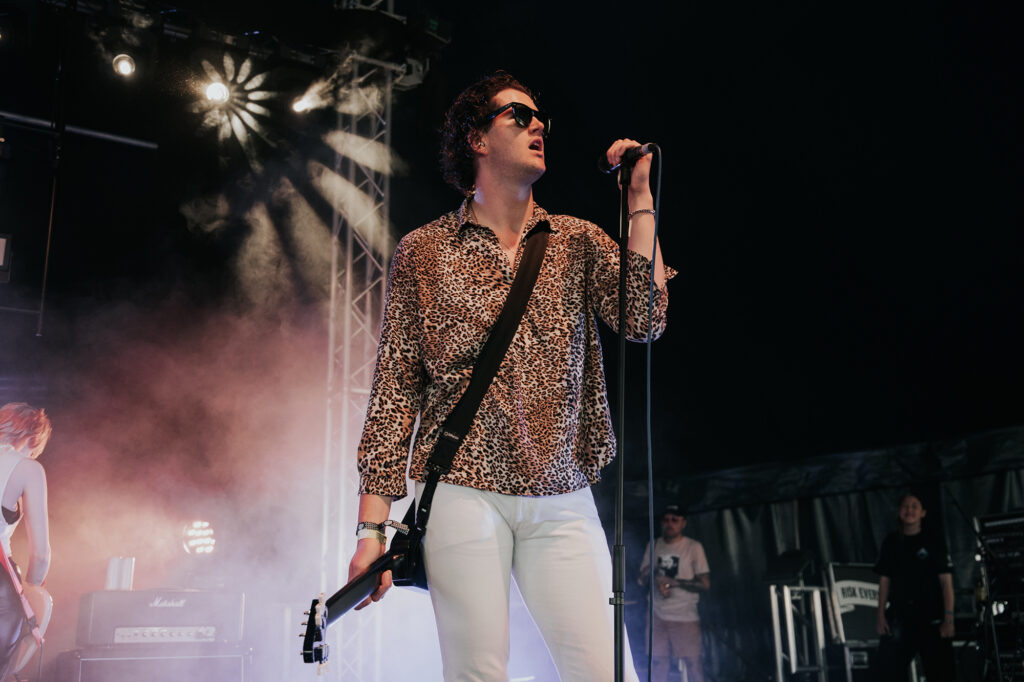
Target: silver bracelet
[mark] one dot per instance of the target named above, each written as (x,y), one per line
(640,210)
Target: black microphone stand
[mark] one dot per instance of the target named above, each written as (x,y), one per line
(618,599)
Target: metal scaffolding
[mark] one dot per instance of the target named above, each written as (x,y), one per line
(358,282)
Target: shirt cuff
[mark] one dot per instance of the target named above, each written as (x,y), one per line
(388,483)
(639,265)
(638,281)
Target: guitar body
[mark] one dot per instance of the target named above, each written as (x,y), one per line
(42,606)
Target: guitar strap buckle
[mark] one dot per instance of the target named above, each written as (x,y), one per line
(400,527)
(436,468)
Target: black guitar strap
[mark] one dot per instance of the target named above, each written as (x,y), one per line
(456,427)
(404,557)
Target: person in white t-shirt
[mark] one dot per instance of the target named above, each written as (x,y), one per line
(680,575)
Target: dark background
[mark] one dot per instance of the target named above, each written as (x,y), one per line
(840,198)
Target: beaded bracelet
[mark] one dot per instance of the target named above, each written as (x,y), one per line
(640,210)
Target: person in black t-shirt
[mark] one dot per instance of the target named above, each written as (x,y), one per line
(916,580)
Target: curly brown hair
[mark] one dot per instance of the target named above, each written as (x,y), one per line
(462,127)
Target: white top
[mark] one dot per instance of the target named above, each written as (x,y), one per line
(682,559)
(8,460)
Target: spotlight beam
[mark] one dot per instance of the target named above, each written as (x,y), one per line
(373,154)
(358,209)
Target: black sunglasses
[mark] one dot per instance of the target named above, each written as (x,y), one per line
(523,115)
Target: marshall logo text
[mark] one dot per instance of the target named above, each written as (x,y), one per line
(160,602)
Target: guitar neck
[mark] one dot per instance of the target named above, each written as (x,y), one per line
(322,615)
(358,589)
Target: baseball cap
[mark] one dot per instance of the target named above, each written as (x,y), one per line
(676,509)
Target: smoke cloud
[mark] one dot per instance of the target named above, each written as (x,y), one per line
(169,415)
(166,412)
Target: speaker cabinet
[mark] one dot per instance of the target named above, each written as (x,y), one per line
(156,663)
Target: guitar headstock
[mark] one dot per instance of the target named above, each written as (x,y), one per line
(314,645)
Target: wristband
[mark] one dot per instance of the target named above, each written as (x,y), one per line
(400,527)
(369,533)
(379,527)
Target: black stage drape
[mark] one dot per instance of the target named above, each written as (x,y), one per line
(838,509)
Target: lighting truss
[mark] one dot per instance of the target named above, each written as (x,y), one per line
(358,282)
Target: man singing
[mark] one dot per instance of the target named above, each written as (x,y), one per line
(517,500)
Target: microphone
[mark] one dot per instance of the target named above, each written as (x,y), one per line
(631,156)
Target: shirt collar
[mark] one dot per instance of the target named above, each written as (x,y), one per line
(539,214)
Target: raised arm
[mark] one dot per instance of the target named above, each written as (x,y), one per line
(639,197)
(603,281)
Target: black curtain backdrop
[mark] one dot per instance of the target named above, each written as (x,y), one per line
(779,508)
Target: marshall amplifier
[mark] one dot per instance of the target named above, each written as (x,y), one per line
(156,663)
(159,617)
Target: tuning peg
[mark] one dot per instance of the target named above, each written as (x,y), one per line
(305,613)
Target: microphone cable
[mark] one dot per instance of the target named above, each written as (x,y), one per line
(648,421)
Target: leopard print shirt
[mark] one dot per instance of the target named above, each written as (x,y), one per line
(543,427)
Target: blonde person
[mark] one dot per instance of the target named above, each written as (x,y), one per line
(24,431)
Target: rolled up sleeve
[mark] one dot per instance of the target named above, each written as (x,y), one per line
(604,288)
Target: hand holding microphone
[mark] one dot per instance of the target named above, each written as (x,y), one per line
(634,151)
(633,156)
(639,210)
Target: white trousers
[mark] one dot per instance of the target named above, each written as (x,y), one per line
(557,551)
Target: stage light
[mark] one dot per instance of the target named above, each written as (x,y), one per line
(124,65)
(197,538)
(233,105)
(217,92)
